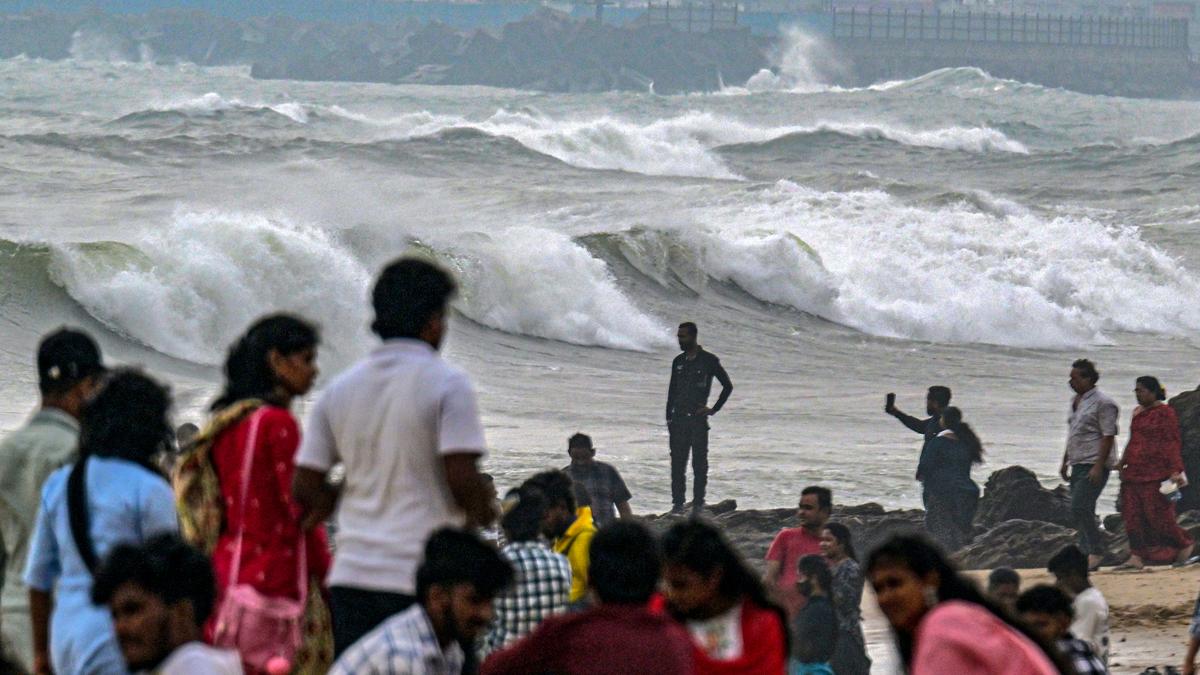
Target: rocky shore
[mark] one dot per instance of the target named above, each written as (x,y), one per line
(1019,524)
(547,51)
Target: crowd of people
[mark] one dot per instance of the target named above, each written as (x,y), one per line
(131,547)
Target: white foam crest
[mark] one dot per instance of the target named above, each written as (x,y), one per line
(684,145)
(538,282)
(956,274)
(189,288)
(800,64)
(212,102)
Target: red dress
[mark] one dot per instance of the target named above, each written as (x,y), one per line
(1154,454)
(764,643)
(272,518)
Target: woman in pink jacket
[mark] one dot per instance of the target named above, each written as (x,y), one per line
(943,624)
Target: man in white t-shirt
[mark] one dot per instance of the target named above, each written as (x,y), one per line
(1070,569)
(160,595)
(405,424)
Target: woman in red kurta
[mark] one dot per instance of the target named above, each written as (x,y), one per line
(1153,455)
(270,366)
(735,629)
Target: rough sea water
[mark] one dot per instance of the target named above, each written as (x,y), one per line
(832,244)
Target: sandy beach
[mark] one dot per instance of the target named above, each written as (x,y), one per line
(1149,613)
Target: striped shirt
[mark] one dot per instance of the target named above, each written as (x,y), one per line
(403,645)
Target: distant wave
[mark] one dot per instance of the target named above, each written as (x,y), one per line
(965,139)
(213,103)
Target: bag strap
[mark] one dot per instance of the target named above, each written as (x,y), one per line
(249,450)
(77,513)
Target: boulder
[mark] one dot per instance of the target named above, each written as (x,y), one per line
(1014,493)
(1187,408)
(1021,544)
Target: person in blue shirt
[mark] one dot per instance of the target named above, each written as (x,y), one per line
(112,495)
(950,495)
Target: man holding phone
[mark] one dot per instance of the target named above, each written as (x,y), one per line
(937,400)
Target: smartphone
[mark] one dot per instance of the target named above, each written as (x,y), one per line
(891,400)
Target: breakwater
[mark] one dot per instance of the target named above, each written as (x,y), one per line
(1097,55)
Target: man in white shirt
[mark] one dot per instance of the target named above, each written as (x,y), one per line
(160,594)
(405,424)
(1090,454)
(1070,569)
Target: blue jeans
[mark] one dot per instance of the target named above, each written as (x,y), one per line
(1083,508)
(797,668)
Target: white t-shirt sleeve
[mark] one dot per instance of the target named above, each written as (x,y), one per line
(459,426)
(318,447)
(1089,619)
(197,659)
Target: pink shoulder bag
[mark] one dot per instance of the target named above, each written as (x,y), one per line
(262,629)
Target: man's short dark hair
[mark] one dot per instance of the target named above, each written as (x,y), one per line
(1046,599)
(1069,562)
(690,328)
(454,557)
(824,496)
(1003,575)
(408,294)
(557,487)
(580,441)
(525,507)
(625,563)
(1087,369)
(940,395)
(65,358)
(165,566)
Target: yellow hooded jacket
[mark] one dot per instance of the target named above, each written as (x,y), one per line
(575,544)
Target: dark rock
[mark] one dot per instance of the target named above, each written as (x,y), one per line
(1016,543)
(1014,493)
(1114,523)
(1187,408)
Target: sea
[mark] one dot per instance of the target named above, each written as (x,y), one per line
(833,245)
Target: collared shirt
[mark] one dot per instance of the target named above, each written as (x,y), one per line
(691,384)
(391,419)
(27,456)
(576,545)
(403,645)
(1093,418)
(1080,654)
(542,589)
(604,485)
(127,504)
(789,546)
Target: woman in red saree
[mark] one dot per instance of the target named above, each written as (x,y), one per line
(1153,456)
(272,364)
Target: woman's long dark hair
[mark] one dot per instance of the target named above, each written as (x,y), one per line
(129,419)
(953,418)
(921,557)
(248,373)
(701,548)
(842,534)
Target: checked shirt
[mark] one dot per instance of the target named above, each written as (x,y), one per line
(1081,656)
(541,589)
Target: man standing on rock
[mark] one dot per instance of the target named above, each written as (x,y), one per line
(937,400)
(1089,457)
(692,373)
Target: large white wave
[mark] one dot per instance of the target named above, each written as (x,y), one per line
(189,288)
(538,282)
(948,274)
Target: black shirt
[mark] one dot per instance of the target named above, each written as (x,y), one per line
(691,384)
(814,631)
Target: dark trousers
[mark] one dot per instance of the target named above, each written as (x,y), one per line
(356,612)
(1083,508)
(690,436)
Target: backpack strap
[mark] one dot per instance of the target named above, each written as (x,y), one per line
(77,513)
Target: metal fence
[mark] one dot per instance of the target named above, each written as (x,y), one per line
(693,17)
(1011,28)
